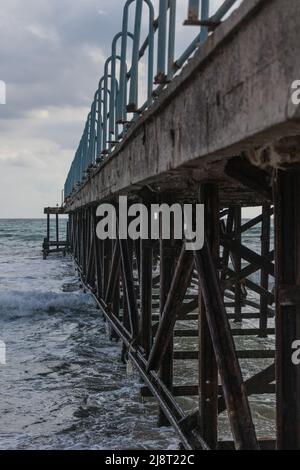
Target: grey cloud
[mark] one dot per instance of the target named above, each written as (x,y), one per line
(51,57)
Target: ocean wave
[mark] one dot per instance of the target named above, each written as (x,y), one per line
(22,303)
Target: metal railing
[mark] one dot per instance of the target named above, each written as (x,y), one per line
(116,101)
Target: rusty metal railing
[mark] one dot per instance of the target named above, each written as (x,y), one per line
(116,101)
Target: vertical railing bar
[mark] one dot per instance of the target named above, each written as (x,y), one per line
(172,33)
(133,92)
(204,16)
(162,42)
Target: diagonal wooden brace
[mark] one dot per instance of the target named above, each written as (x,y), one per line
(180,283)
(129,288)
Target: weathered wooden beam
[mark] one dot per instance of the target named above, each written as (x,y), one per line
(98,260)
(248,255)
(128,286)
(228,365)
(207,366)
(240,354)
(146,261)
(54,210)
(238,263)
(264,277)
(287,246)
(240,169)
(168,255)
(180,282)
(114,274)
(259,383)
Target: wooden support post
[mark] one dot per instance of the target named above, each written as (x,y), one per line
(228,365)
(83,243)
(126,321)
(238,263)
(107,257)
(116,303)
(166,273)
(208,372)
(98,269)
(264,277)
(128,287)
(146,262)
(226,252)
(57,232)
(287,242)
(48,227)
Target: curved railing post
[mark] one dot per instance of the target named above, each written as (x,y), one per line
(121,106)
(172,33)
(133,92)
(113,109)
(150,51)
(92,142)
(100,119)
(161,75)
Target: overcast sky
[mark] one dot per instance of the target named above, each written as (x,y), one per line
(51,58)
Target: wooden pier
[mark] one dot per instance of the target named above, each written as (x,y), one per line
(56,245)
(225,133)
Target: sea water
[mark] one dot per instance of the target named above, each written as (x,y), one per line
(63,385)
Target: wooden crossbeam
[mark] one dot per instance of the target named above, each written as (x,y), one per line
(259,383)
(248,255)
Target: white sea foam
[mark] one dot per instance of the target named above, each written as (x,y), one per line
(30,302)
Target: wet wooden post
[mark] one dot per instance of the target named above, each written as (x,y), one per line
(116,303)
(238,263)
(57,232)
(226,252)
(228,365)
(167,262)
(287,249)
(208,372)
(146,266)
(48,226)
(126,323)
(107,255)
(83,241)
(264,277)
